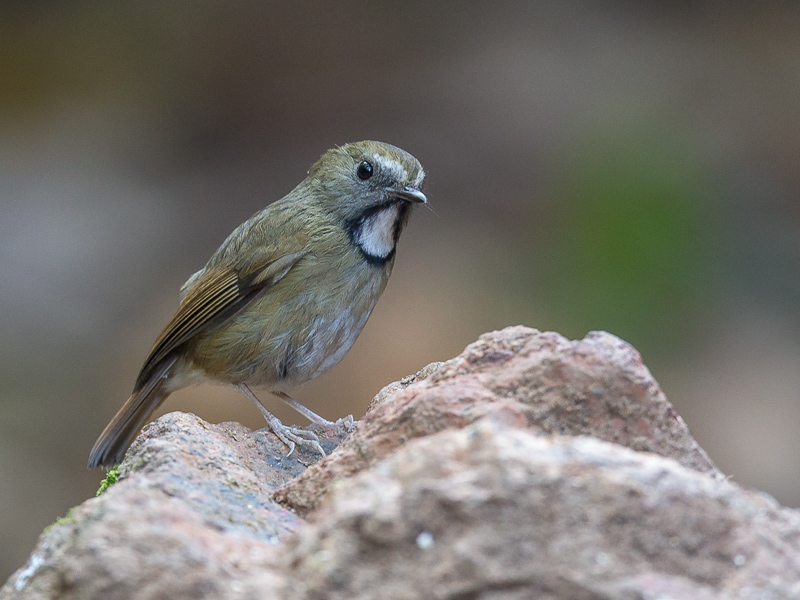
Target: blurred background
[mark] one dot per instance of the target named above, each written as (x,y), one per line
(610,165)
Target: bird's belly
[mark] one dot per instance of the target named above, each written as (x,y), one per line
(277,353)
(296,359)
(327,343)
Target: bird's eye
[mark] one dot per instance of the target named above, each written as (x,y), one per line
(364,170)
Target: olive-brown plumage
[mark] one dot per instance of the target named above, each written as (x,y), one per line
(286,294)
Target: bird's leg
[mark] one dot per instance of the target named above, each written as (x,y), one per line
(309,414)
(288,435)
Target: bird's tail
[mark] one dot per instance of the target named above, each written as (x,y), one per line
(110,447)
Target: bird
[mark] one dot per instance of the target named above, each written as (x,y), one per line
(285,296)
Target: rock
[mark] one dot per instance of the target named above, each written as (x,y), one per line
(496,512)
(596,386)
(491,475)
(137,543)
(190,517)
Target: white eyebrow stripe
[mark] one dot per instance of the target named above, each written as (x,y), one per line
(399,171)
(420,178)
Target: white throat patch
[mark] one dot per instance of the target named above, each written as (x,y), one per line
(375,236)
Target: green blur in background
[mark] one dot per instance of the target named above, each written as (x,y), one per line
(631,250)
(592,165)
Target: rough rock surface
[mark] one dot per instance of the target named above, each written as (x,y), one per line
(596,386)
(190,517)
(508,492)
(496,512)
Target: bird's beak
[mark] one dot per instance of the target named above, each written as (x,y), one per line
(409,194)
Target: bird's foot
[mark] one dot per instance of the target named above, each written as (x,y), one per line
(348,422)
(293,436)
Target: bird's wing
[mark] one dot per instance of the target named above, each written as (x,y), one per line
(214,297)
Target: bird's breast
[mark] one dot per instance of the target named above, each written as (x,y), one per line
(297,330)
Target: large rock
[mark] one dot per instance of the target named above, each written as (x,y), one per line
(496,512)
(492,475)
(596,386)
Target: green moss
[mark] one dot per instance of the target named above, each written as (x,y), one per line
(111,478)
(65,520)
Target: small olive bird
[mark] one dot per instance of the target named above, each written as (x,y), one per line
(285,296)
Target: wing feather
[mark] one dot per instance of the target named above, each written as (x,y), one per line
(216,296)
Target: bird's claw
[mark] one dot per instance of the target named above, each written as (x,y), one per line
(347,422)
(293,436)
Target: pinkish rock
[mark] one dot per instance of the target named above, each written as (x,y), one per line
(490,475)
(191,516)
(596,386)
(491,511)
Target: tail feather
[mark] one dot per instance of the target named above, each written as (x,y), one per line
(118,435)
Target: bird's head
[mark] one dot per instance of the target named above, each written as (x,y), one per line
(370,188)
